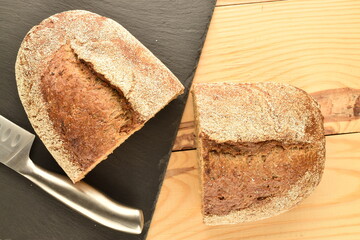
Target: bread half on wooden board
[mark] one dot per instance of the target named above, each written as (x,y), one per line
(86,85)
(261,149)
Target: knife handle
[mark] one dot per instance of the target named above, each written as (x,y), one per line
(86,200)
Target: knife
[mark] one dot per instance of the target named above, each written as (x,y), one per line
(15,145)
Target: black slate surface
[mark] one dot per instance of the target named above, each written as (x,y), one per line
(174,31)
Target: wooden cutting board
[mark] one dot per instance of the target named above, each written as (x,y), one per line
(314,45)
(174,31)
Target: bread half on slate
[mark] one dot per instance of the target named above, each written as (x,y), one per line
(261,149)
(86,85)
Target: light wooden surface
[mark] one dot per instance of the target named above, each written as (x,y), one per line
(331,212)
(312,44)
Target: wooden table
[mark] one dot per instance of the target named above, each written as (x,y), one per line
(312,44)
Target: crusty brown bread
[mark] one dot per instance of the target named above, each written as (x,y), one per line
(261,149)
(86,85)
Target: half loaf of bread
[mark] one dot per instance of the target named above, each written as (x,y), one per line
(86,85)
(261,149)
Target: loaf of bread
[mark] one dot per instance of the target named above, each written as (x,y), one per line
(261,149)
(86,85)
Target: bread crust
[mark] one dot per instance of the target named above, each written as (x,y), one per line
(250,112)
(251,118)
(112,52)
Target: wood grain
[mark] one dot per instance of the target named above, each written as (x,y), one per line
(331,212)
(340,104)
(301,42)
(185,138)
(309,44)
(221,3)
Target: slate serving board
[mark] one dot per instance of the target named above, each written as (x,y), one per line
(174,31)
